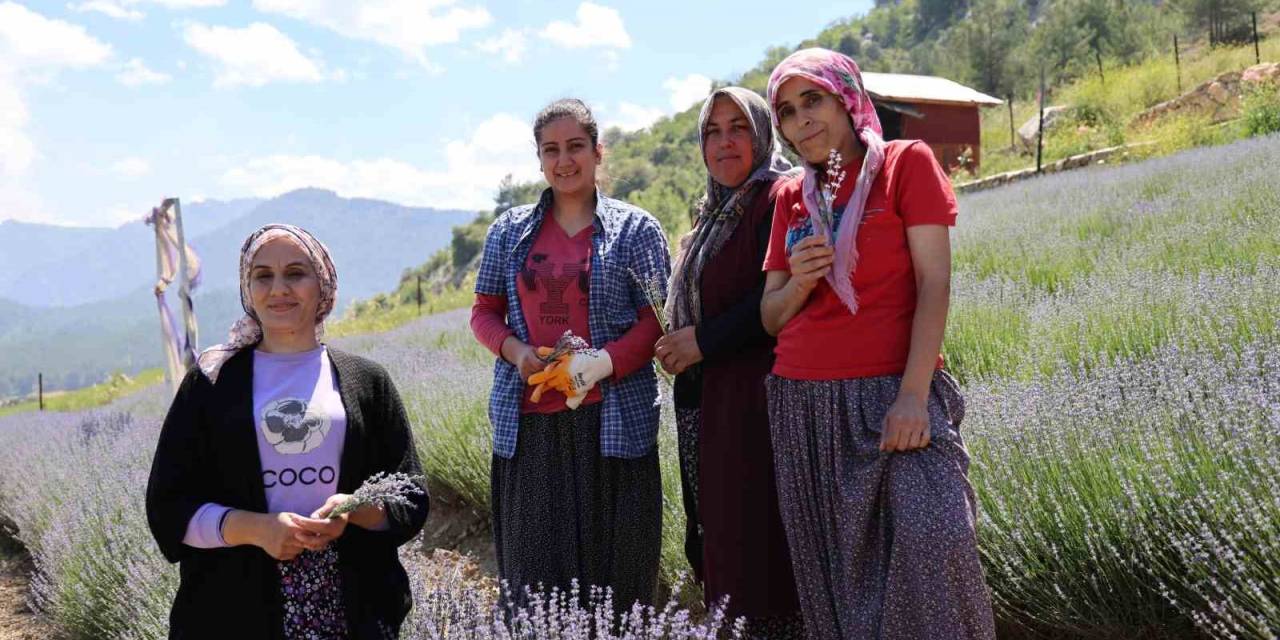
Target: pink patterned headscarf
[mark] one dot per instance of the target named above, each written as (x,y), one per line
(247,331)
(838,75)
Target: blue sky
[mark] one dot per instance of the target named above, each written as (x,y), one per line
(106,106)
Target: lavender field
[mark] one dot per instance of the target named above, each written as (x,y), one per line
(1117,331)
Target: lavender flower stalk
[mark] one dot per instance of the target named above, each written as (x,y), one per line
(381,489)
(830,187)
(653,291)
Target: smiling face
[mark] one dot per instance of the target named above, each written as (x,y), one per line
(814,121)
(726,142)
(284,288)
(568,156)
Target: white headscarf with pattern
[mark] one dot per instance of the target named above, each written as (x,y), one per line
(247,331)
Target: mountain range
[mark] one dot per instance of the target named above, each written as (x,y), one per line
(76,303)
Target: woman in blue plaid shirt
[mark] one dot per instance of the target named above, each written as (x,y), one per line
(576,492)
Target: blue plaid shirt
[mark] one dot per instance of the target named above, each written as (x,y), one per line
(627,243)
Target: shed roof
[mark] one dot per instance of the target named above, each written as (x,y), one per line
(923,89)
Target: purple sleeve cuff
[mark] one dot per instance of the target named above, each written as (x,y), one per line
(204,531)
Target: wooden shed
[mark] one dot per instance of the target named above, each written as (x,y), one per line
(936,110)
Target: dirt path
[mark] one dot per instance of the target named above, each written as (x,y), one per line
(17,620)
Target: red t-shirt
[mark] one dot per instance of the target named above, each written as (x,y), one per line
(553,287)
(826,342)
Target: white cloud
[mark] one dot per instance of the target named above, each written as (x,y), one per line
(686,91)
(630,116)
(131,167)
(510,44)
(596,26)
(126,9)
(118,214)
(136,73)
(473,167)
(254,56)
(108,7)
(33,40)
(682,94)
(188,4)
(32,47)
(17,151)
(409,26)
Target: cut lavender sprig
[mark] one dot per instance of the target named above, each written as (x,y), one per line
(568,343)
(382,489)
(654,293)
(830,187)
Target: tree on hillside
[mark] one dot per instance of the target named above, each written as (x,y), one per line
(892,27)
(1059,44)
(985,45)
(1223,21)
(511,194)
(934,15)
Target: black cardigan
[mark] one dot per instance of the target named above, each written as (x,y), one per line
(208,452)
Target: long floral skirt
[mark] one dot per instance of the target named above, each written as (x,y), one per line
(311,590)
(883,544)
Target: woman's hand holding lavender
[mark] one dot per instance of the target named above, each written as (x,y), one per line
(678,350)
(810,261)
(524,356)
(279,535)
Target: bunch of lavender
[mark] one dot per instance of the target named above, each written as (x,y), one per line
(827,198)
(381,489)
(568,343)
(655,292)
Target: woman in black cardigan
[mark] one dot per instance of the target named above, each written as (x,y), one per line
(266,436)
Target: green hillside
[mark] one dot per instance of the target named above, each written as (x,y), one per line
(996,46)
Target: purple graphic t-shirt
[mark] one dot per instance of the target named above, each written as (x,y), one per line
(300,424)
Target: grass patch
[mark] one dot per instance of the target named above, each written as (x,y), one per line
(117,386)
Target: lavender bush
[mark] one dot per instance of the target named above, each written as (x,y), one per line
(73,484)
(453,605)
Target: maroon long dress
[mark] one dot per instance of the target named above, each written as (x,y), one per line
(743,545)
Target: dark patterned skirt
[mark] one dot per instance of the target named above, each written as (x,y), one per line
(883,544)
(688,422)
(562,511)
(311,590)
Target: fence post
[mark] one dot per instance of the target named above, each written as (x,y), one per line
(419,294)
(1040,133)
(40,390)
(1013,143)
(1257,54)
(1177,62)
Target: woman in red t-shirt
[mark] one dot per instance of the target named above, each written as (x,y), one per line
(871,468)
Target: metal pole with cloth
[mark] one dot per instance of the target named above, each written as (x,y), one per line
(175,260)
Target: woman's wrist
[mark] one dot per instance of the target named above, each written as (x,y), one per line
(241,527)
(371,517)
(915,387)
(510,349)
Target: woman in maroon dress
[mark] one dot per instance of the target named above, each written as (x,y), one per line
(721,354)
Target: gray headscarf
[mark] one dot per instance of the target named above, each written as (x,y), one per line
(247,331)
(721,208)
